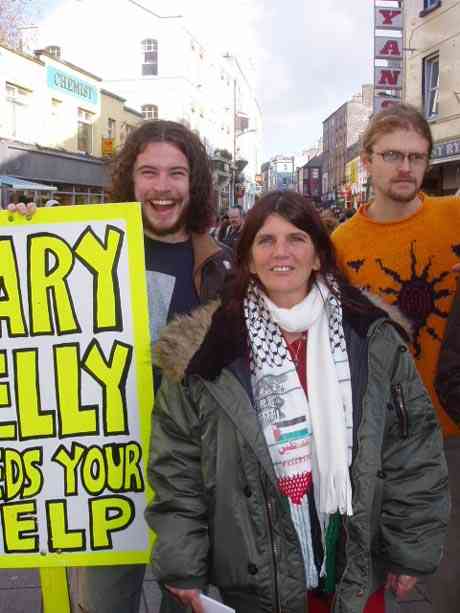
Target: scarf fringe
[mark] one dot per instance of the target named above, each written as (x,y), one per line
(335,494)
(301,518)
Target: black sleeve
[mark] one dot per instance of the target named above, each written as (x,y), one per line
(447,382)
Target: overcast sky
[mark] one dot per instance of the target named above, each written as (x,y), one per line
(309,57)
(315,56)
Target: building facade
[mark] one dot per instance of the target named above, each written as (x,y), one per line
(279,173)
(432,41)
(356,187)
(57,125)
(164,71)
(341,130)
(311,173)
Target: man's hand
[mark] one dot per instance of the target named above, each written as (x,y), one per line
(23,209)
(401,585)
(189,598)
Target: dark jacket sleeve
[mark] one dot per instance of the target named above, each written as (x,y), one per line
(415,505)
(178,512)
(447,380)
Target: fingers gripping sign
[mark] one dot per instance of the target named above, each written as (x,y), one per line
(25,209)
(188,598)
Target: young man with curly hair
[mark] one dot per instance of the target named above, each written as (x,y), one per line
(165,167)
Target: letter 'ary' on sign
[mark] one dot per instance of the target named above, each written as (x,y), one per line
(76,387)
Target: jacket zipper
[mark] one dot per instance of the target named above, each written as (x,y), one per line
(339,585)
(401,410)
(274,554)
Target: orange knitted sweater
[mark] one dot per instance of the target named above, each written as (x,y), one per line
(408,263)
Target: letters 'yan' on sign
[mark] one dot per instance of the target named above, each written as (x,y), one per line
(75,387)
(388,18)
(388,48)
(387,78)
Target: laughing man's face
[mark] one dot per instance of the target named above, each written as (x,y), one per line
(161,179)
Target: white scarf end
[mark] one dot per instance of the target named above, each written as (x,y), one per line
(336,496)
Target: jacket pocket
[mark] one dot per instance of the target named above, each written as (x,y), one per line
(377,510)
(399,403)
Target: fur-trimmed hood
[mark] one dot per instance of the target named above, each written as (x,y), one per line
(211,338)
(393,312)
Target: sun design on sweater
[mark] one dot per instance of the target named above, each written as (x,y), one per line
(417,296)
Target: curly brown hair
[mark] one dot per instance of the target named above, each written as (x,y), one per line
(201,207)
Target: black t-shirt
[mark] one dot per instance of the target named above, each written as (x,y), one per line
(169,269)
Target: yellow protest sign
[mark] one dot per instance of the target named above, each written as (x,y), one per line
(76,388)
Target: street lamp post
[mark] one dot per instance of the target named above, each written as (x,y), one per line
(236,171)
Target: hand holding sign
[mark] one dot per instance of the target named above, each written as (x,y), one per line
(27,209)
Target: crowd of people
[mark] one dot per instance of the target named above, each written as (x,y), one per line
(306,429)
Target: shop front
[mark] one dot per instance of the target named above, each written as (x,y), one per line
(77,179)
(16,190)
(443,176)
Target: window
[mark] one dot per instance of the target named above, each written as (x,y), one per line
(85,131)
(150,57)
(125,132)
(431,86)
(150,112)
(54,50)
(56,121)
(18,111)
(429,6)
(111,128)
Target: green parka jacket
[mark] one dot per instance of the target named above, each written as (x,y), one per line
(217,512)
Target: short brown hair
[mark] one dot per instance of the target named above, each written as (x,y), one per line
(396,117)
(202,203)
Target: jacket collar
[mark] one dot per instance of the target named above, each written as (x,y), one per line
(204,247)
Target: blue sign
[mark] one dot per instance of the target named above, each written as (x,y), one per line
(63,82)
(445,150)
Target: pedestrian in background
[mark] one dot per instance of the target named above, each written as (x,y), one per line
(236,220)
(330,221)
(447,385)
(402,245)
(295,454)
(52,202)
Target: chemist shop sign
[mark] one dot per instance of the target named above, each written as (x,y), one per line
(70,84)
(75,387)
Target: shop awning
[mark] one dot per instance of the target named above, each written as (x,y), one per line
(452,158)
(23,185)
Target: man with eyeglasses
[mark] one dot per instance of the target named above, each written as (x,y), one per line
(402,246)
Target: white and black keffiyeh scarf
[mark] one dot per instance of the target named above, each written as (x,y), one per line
(309,440)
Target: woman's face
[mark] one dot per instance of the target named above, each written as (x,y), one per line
(283,258)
